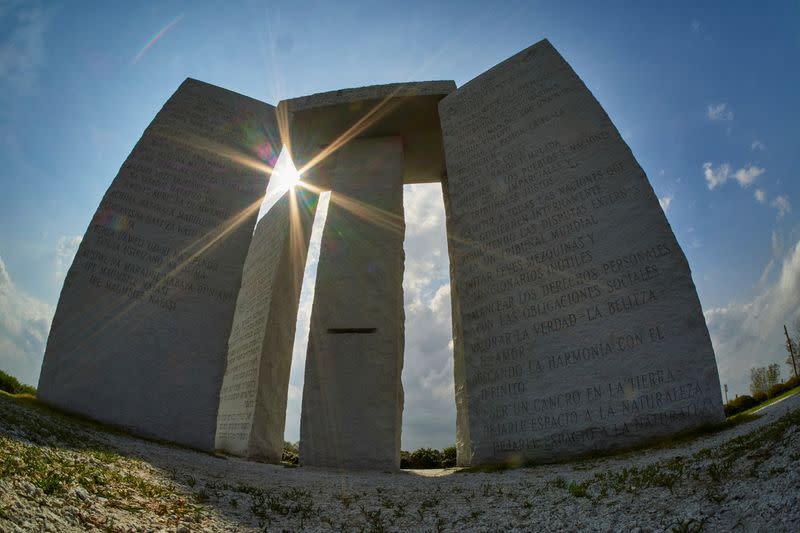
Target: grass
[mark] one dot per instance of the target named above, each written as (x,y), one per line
(11,385)
(719,462)
(57,453)
(769,402)
(100,472)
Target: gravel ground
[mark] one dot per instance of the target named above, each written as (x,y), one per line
(61,474)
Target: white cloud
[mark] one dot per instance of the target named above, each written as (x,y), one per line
(24,325)
(782,204)
(22,46)
(666,201)
(760,196)
(747,175)
(757,145)
(751,333)
(696,26)
(429,414)
(716,176)
(719,175)
(777,252)
(719,112)
(65,253)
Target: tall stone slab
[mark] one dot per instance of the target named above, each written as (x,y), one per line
(353,395)
(252,402)
(576,322)
(140,333)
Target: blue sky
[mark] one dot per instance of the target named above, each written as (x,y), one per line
(704,95)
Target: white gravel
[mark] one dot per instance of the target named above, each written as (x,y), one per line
(744,478)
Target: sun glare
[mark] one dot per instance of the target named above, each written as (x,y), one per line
(285,175)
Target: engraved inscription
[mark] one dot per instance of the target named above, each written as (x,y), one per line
(572,293)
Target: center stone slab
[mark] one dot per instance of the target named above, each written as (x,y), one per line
(353,395)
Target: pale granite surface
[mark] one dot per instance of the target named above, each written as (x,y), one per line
(576,323)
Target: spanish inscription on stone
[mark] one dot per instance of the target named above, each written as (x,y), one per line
(576,322)
(252,403)
(140,333)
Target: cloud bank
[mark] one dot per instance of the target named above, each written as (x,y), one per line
(750,334)
(24,325)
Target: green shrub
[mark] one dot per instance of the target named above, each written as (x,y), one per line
(426,458)
(760,397)
(405,459)
(739,404)
(776,390)
(291,453)
(449,457)
(11,385)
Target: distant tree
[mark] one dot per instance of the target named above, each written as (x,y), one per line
(773,375)
(291,452)
(758,381)
(449,457)
(425,458)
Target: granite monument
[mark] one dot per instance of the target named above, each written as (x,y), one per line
(576,324)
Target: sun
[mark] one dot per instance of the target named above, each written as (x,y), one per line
(285,175)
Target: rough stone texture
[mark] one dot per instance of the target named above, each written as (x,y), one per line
(576,323)
(252,408)
(744,478)
(139,336)
(370,92)
(322,123)
(353,396)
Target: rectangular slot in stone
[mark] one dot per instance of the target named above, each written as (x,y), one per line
(340,331)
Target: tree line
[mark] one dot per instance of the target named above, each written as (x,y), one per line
(765,381)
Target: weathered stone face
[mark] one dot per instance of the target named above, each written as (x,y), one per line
(323,122)
(353,396)
(576,323)
(252,403)
(139,336)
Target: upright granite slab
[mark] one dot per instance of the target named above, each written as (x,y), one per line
(576,324)
(252,402)
(140,333)
(353,396)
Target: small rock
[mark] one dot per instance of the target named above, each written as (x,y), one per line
(29,488)
(80,493)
